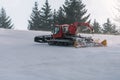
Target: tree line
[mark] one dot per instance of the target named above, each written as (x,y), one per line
(71,11)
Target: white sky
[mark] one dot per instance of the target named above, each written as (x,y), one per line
(20,10)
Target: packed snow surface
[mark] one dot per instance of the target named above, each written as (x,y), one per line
(23,59)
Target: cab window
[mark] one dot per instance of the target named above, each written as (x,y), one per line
(65,29)
(55,30)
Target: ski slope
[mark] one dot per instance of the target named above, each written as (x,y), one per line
(23,59)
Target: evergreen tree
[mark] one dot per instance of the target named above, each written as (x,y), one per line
(75,11)
(35,22)
(5,21)
(61,16)
(117,16)
(46,16)
(114,29)
(96,26)
(54,21)
(108,27)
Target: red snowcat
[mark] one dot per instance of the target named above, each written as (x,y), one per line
(66,35)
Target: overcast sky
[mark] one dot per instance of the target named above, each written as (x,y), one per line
(20,10)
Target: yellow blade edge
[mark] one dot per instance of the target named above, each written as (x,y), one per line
(104,42)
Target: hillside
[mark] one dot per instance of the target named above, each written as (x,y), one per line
(23,59)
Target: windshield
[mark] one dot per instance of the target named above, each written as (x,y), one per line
(55,30)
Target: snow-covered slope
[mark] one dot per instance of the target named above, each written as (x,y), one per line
(23,59)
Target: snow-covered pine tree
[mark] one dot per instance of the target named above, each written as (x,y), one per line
(108,27)
(75,12)
(46,16)
(5,21)
(97,27)
(35,19)
(61,16)
(54,20)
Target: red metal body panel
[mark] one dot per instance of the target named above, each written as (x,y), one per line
(71,29)
(59,34)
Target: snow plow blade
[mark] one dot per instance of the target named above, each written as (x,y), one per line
(81,43)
